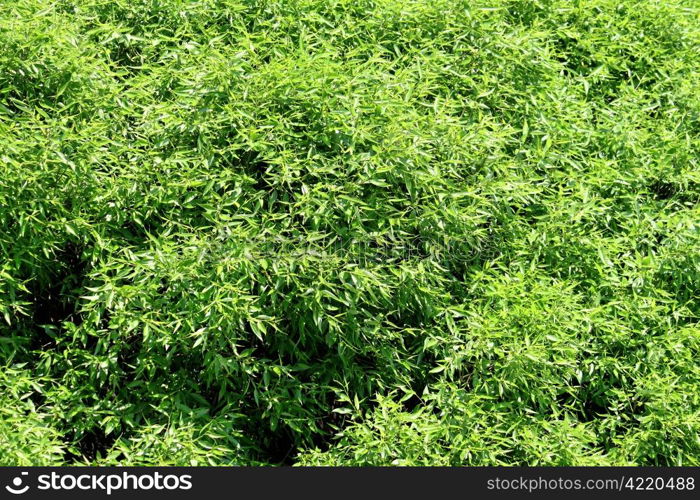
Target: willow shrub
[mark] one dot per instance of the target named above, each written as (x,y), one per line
(349,232)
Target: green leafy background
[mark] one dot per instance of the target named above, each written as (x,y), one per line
(349,232)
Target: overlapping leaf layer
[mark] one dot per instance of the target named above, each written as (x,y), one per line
(358,232)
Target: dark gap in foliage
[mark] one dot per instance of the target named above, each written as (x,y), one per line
(663,191)
(90,445)
(329,425)
(256,168)
(11,103)
(38,398)
(531,213)
(334,422)
(591,409)
(212,395)
(423,378)
(280,447)
(465,261)
(586,407)
(137,232)
(410,404)
(580,61)
(410,311)
(367,361)
(55,303)
(250,163)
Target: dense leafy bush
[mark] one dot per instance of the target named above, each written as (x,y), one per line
(350,232)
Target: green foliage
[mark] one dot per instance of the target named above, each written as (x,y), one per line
(350,232)
(26,434)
